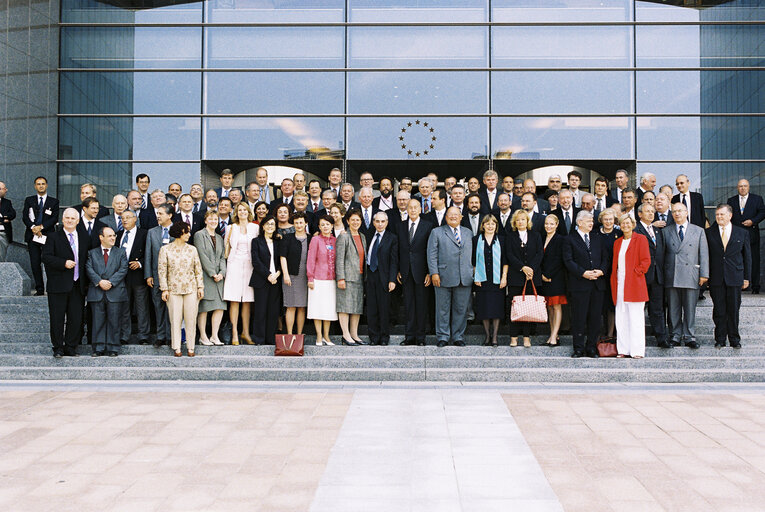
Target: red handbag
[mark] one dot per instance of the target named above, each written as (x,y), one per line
(607,346)
(531,308)
(289,345)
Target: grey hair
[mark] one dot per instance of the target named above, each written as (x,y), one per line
(644,177)
(583,215)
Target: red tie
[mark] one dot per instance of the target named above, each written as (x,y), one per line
(106,256)
(187,220)
(315,206)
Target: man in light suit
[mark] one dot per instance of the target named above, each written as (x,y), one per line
(653,278)
(132,240)
(107,267)
(730,268)
(682,254)
(382,267)
(449,261)
(155,239)
(748,212)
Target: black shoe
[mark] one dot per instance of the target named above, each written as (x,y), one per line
(664,344)
(701,297)
(158,343)
(674,343)
(71,353)
(39,293)
(58,354)
(719,344)
(442,343)
(361,342)
(487,341)
(735,344)
(111,353)
(459,343)
(349,343)
(756,290)
(577,354)
(123,342)
(143,342)
(692,344)
(421,343)
(384,343)
(97,353)
(593,355)
(408,342)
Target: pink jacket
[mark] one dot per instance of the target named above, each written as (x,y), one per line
(320,262)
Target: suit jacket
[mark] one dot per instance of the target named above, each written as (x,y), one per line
(261,261)
(639,193)
(148,218)
(507,228)
(197,223)
(111,221)
(212,260)
(387,258)
(114,271)
(637,261)
(49,217)
(291,250)
(82,231)
(433,218)
(103,211)
(412,255)
(310,207)
(517,259)
(698,216)
(669,220)
(561,222)
(219,191)
(553,268)
(652,276)
(754,210)
(578,260)
(353,205)
(610,201)
(538,224)
(466,222)
(8,214)
(347,258)
(151,254)
(682,263)
(55,253)
(394,219)
(376,203)
(137,252)
(731,265)
(273,205)
(487,206)
(450,261)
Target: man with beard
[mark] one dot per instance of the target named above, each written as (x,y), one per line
(384,202)
(472,220)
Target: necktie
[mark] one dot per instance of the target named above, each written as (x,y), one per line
(222,225)
(119,223)
(568,222)
(684,201)
(682,235)
(106,256)
(315,206)
(742,204)
(600,204)
(90,227)
(662,217)
(224,193)
(725,238)
(143,202)
(373,253)
(411,232)
(457,236)
(650,232)
(587,241)
(196,208)
(41,210)
(165,234)
(188,221)
(125,239)
(366,218)
(76,257)
(426,205)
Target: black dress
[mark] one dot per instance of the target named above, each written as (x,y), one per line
(489,297)
(610,238)
(518,256)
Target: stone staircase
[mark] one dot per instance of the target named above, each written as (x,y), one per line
(25,353)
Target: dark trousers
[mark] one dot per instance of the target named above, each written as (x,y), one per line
(66,319)
(755,246)
(137,303)
(266,309)
(415,303)
(378,308)
(106,324)
(520,328)
(656,311)
(586,315)
(35,260)
(160,307)
(726,302)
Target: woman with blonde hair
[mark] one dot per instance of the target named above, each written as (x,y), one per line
(553,277)
(337,212)
(237,290)
(524,255)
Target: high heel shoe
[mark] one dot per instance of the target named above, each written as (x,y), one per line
(191,353)
(526,342)
(319,342)
(349,343)
(494,343)
(246,339)
(234,341)
(513,342)
(359,341)
(329,343)
(216,341)
(487,341)
(206,342)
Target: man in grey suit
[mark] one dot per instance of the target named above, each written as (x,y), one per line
(682,255)
(449,251)
(107,267)
(155,239)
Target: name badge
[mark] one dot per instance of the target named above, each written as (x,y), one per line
(48,212)
(329,247)
(165,241)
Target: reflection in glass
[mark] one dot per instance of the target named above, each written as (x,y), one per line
(668,138)
(149,11)
(273,138)
(551,11)
(434,92)
(111,178)
(275,11)
(130,47)
(561,47)
(710,10)
(667,46)
(409,47)
(402,138)
(122,138)
(124,92)
(732,137)
(562,137)
(667,172)
(433,11)
(732,45)
(274,93)
(668,92)
(162,175)
(564,92)
(719,179)
(283,47)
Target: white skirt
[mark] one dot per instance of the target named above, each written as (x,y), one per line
(321,300)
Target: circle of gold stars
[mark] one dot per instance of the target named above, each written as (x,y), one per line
(417,152)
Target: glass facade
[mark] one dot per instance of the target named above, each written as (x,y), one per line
(171,87)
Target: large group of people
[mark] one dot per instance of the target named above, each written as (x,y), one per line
(261,260)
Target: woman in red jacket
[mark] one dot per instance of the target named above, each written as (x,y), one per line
(631,261)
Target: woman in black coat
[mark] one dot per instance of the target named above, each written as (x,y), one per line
(553,277)
(294,252)
(266,280)
(523,248)
(489,277)
(610,232)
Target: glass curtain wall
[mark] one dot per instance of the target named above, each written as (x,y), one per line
(163,86)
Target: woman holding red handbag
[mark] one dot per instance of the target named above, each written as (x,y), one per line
(524,251)
(631,261)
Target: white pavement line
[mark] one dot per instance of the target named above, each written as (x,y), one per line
(431,450)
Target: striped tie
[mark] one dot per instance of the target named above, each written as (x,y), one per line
(457,236)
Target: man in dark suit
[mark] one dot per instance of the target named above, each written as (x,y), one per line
(602,199)
(367,213)
(730,266)
(65,255)
(385,201)
(185,214)
(132,240)
(267,191)
(156,238)
(7,214)
(528,202)
(90,226)
(587,261)
(147,219)
(40,215)
(663,215)
(346,197)
(382,267)
(398,214)
(504,213)
(314,197)
(198,196)
(748,212)
(286,196)
(226,180)
(473,216)
(542,205)
(107,267)
(653,278)
(647,184)
(334,181)
(142,183)
(413,272)
(114,219)
(224,216)
(89,190)
(301,205)
(437,215)
(488,194)
(693,201)
(566,212)
(621,181)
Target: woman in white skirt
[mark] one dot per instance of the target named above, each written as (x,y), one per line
(236,289)
(631,261)
(322,289)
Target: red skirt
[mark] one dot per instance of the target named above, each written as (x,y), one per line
(556,300)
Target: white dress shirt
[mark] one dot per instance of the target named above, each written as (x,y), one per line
(687,201)
(368,212)
(440,215)
(130,239)
(414,223)
(503,218)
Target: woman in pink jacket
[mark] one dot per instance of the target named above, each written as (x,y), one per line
(320,269)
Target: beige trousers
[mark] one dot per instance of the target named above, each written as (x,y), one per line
(180,308)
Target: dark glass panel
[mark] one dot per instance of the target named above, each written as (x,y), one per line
(134,11)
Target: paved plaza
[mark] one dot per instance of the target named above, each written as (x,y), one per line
(380,447)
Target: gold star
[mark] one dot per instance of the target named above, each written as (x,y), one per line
(409,152)
(425,152)
(417,154)
(433,138)
(424,124)
(403,146)
(431,146)
(401,138)
(431,130)
(403,130)
(409,124)
(417,122)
